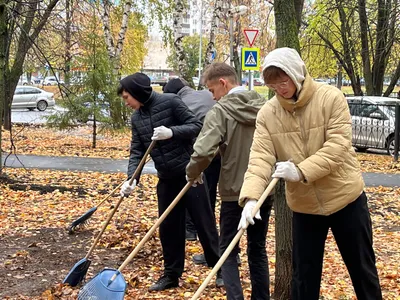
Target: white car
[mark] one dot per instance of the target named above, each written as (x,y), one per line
(52,80)
(32,97)
(373,121)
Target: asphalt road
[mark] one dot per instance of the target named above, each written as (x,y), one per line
(120,165)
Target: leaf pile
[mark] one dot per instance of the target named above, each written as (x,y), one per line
(36,251)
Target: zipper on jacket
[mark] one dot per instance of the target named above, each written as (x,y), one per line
(305,140)
(157,145)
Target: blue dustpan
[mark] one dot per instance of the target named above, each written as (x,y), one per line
(100,287)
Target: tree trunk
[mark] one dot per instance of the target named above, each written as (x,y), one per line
(114,52)
(283,245)
(68,43)
(3,68)
(287,20)
(214,27)
(178,36)
(365,46)
(236,54)
(395,78)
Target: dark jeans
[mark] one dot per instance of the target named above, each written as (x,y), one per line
(172,230)
(211,175)
(256,251)
(351,227)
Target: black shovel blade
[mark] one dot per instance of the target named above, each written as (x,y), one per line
(78,272)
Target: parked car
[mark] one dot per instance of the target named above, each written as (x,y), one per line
(32,97)
(373,121)
(52,80)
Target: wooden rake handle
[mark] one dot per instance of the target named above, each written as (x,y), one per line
(153,228)
(235,240)
(138,169)
(119,186)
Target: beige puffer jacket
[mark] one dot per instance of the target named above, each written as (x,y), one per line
(315,132)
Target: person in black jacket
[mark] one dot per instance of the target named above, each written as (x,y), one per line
(165,118)
(200,103)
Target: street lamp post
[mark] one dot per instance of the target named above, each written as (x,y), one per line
(232,12)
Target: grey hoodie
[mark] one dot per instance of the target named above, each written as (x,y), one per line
(229,125)
(199,102)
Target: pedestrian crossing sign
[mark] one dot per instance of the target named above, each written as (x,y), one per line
(250,59)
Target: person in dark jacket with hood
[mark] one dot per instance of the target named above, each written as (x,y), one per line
(200,103)
(229,126)
(165,118)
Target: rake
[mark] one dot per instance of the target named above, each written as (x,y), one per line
(235,240)
(82,220)
(79,270)
(110,283)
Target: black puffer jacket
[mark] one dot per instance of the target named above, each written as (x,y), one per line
(170,156)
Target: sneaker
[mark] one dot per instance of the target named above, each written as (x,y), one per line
(219,282)
(199,259)
(165,282)
(191,236)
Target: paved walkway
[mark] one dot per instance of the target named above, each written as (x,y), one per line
(120,165)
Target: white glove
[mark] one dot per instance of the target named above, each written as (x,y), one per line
(247,218)
(288,171)
(162,133)
(198,180)
(126,188)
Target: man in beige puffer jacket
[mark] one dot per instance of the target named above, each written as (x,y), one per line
(306,130)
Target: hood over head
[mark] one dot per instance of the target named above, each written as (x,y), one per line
(138,85)
(290,62)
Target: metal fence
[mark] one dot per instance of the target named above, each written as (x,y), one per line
(375,126)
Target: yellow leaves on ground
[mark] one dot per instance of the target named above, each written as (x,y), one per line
(33,211)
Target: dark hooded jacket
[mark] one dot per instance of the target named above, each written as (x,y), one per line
(170,156)
(229,125)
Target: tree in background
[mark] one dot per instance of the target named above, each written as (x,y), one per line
(362,36)
(93,97)
(20,25)
(190,48)
(180,10)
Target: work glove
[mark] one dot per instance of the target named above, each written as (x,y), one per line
(288,171)
(126,188)
(198,180)
(246,217)
(162,133)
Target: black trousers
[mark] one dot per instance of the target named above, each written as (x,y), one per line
(172,230)
(256,251)
(351,227)
(211,175)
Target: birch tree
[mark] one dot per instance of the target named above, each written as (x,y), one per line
(115,48)
(215,21)
(178,14)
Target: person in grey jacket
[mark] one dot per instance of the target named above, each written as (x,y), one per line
(199,102)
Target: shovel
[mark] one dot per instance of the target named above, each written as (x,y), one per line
(110,283)
(235,240)
(79,270)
